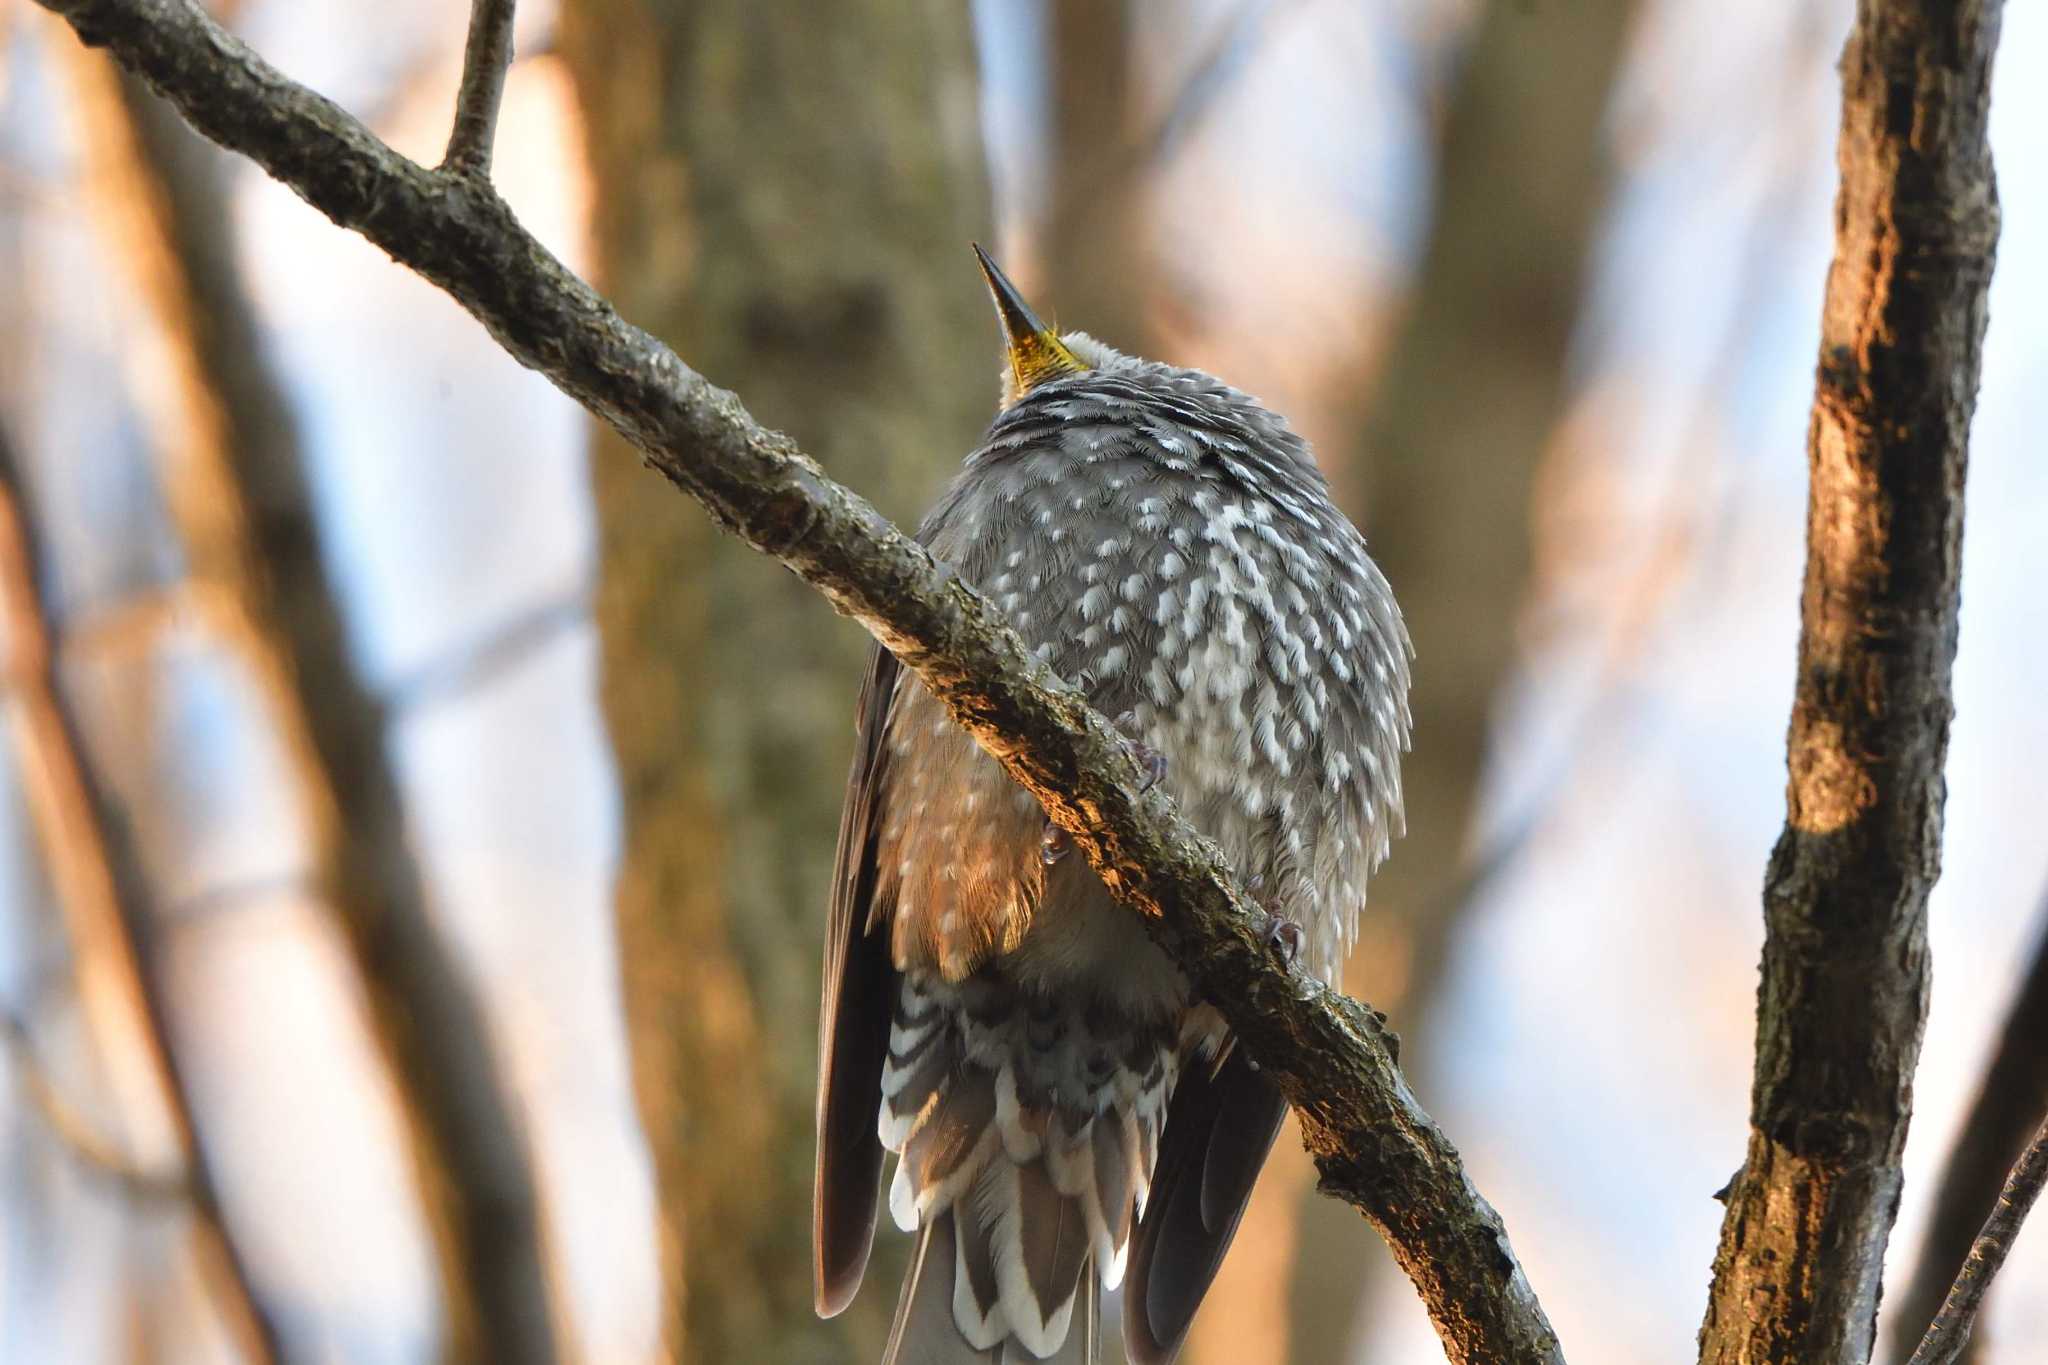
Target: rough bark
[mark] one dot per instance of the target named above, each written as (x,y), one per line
(1373,1144)
(1844,991)
(1452,428)
(789,196)
(97,872)
(236,485)
(2010,1102)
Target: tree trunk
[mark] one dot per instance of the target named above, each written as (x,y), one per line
(825,165)
(1843,999)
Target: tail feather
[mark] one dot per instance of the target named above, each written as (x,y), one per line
(923,1332)
(927,1331)
(1024,1130)
(1041,1247)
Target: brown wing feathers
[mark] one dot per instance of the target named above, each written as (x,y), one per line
(853,1023)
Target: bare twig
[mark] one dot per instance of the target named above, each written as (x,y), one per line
(1950,1330)
(502,647)
(1232,47)
(235,480)
(485,59)
(1373,1143)
(2010,1101)
(103,893)
(92,1150)
(1844,992)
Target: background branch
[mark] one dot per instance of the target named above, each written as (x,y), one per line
(1373,1144)
(1950,1330)
(2011,1101)
(74,1132)
(235,481)
(1520,179)
(100,884)
(1844,992)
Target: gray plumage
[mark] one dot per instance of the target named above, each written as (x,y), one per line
(1066,1117)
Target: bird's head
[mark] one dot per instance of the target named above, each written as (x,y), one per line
(1036,354)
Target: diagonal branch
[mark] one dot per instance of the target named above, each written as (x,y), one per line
(485,58)
(1949,1333)
(1372,1141)
(101,887)
(1843,998)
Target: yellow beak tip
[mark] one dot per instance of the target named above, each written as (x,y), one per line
(1036,353)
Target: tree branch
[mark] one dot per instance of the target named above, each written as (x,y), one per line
(2010,1101)
(485,59)
(1950,1330)
(1373,1143)
(103,893)
(234,478)
(1843,997)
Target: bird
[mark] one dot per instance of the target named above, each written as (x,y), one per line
(1065,1115)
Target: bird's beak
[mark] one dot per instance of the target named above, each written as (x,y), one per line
(1036,352)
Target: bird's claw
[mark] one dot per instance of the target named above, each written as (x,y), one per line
(1283,938)
(1151,762)
(1280,935)
(1054,844)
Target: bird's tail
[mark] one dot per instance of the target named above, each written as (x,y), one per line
(1027,1134)
(927,1332)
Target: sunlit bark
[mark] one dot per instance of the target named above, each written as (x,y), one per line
(1843,999)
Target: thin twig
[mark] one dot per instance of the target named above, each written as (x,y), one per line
(2010,1100)
(101,887)
(485,59)
(502,647)
(1373,1143)
(95,1153)
(1950,1330)
(1233,45)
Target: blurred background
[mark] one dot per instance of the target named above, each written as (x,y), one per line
(316,605)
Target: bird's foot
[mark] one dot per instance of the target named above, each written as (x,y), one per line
(1150,761)
(1283,938)
(1053,843)
(1280,935)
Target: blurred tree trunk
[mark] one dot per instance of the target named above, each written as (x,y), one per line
(1094,253)
(828,160)
(1472,386)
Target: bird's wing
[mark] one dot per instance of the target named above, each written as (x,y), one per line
(853,1017)
(1220,1126)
